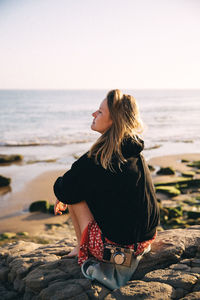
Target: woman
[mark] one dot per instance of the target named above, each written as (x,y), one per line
(108,190)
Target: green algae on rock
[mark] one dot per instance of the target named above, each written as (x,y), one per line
(181,182)
(7,235)
(176,223)
(168,190)
(23,233)
(194,164)
(42,206)
(188,174)
(7,159)
(192,201)
(171,216)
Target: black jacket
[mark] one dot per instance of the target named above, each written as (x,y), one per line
(123,203)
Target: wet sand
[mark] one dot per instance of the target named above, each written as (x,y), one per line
(41,188)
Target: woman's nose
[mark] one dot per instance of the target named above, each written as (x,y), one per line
(94,114)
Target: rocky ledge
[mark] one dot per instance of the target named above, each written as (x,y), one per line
(30,271)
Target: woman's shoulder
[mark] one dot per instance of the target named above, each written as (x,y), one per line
(82,162)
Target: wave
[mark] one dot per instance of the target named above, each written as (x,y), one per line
(176,140)
(45,143)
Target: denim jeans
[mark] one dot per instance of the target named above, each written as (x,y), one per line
(111,275)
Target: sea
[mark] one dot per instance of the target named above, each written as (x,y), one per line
(51,128)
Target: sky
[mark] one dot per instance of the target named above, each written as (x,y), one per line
(99,44)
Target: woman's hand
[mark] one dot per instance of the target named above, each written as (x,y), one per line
(59,207)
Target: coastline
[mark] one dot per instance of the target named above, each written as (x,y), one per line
(16,218)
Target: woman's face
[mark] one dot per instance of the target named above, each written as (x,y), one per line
(102,121)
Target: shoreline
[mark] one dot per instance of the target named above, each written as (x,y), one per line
(41,188)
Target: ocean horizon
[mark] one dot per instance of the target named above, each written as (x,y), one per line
(33,119)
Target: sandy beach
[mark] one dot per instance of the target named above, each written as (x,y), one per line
(40,188)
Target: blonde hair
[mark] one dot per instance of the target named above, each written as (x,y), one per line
(126,122)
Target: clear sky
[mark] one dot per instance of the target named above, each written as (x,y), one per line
(74,44)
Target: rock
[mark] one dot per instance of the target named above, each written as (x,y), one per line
(51,209)
(65,289)
(193,221)
(4,273)
(4,190)
(188,174)
(32,271)
(168,190)
(189,183)
(175,278)
(7,235)
(7,294)
(193,214)
(195,262)
(181,267)
(166,171)
(195,164)
(180,293)
(170,247)
(195,270)
(174,212)
(4,181)
(170,217)
(192,296)
(24,233)
(184,160)
(175,223)
(197,287)
(181,182)
(143,290)
(42,206)
(186,262)
(7,159)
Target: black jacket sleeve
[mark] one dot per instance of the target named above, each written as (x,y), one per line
(69,188)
